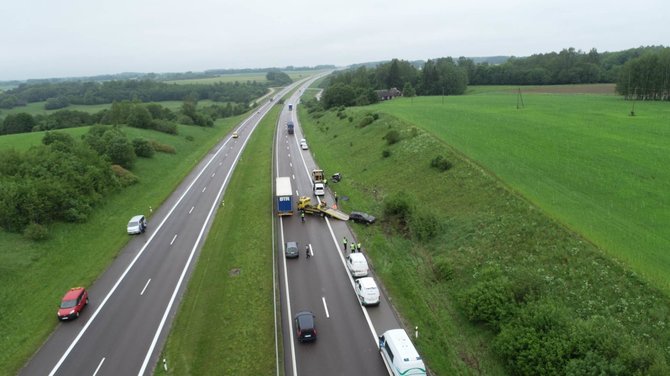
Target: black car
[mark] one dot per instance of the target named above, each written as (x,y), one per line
(360,217)
(305,326)
(291,250)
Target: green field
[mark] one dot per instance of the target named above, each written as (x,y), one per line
(225,323)
(243,77)
(580,158)
(37,274)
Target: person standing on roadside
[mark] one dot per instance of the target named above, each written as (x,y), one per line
(353,247)
(344,242)
(336,198)
(359,248)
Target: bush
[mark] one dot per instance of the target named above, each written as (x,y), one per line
(124,176)
(351,119)
(365,121)
(189,138)
(35,231)
(398,208)
(489,301)
(424,226)
(392,137)
(163,148)
(442,269)
(164,126)
(143,148)
(386,153)
(440,163)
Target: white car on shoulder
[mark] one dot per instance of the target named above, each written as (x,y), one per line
(367,291)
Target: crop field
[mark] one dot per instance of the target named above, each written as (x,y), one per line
(38,273)
(581,158)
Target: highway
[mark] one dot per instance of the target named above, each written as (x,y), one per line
(347,332)
(132,304)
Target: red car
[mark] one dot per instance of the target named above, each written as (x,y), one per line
(73,302)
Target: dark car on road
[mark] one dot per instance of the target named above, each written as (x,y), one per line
(72,303)
(305,326)
(291,250)
(360,217)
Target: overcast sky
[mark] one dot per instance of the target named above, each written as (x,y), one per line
(50,38)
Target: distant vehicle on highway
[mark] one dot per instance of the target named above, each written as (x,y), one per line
(137,225)
(291,250)
(357,265)
(303,144)
(235,135)
(360,217)
(72,303)
(305,326)
(367,291)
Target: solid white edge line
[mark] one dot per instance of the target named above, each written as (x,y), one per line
(325,306)
(173,239)
(215,204)
(130,266)
(145,287)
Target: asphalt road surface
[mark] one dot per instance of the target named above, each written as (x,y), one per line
(347,332)
(132,304)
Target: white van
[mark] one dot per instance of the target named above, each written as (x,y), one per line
(367,291)
(399,353)
(137,225)
(358,266)
(319,189)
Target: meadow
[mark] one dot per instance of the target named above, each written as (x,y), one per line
(38,273)
(37,108)
(581,158)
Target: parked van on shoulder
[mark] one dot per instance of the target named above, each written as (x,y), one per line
(357,265)
(399,353)
(367,291)
(137,225)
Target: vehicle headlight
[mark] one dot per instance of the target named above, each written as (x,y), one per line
(71,312)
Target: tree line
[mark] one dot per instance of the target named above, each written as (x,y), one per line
(134,114)
(646,77)
(448,76)
(62,94)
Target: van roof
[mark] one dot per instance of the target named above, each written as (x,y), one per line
(402,346)
(367,282)
(357,257)
(136,218)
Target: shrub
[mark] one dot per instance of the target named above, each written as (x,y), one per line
(189,138)
(365,121)
(442,269)
(163,148)
(35,231)
(489,301)
(124,176)
(351,119)
(143,148)
(398,208)
(424,226)
(164,126)
(392,137)
(386,153)
(440,163)
(375,116)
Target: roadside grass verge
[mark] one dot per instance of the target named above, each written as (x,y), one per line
(485,236)
(581,158)
(225,324)
(35,275)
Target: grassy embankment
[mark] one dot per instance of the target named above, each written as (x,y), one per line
(581,158)
(37,274)
(484,227)
(225,323)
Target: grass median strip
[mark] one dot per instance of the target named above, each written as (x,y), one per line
(225,324)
